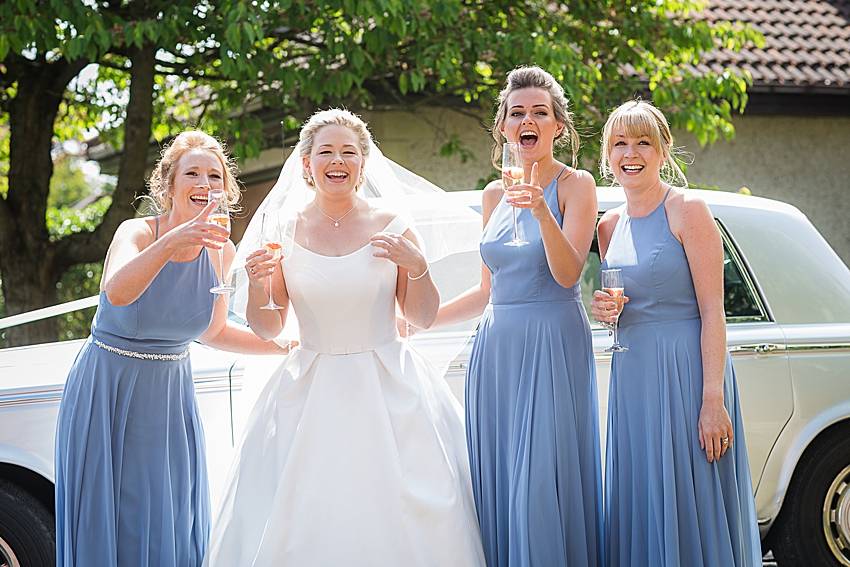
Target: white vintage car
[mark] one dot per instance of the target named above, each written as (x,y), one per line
(787,297)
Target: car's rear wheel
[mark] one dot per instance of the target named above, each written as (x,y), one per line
(27,530)
(813,527)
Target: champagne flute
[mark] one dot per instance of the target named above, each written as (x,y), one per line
(271,239)
(221,216)
(512,174)
(612,284)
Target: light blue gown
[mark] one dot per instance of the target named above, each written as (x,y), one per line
(531,408)
(666,505)
(131,480)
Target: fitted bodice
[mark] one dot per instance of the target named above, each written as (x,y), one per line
(656,275)
(344,304)
(521,274)
(174,310)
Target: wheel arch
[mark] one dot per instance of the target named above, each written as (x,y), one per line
(35,484)
(807,442)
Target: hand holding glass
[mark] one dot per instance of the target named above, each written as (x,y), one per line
(221,216)
(512,174)
(612,284)
(271,239)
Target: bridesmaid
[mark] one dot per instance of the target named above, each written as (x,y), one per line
(531,405)
(131,475)
(677,480)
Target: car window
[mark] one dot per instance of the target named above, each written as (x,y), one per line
(740,299)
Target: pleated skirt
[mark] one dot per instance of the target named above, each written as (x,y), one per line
(666,505)
(533,436)
(130,465)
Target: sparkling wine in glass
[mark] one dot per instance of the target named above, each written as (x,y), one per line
(512,174)
(271,239)
(612,284)
(221,216)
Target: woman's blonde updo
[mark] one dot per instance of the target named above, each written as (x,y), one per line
(638,118)
(338,117)
(163,173)
(535,77)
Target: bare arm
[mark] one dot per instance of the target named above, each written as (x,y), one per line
(693,224)
(601,307)
(418,298)
(135,258)
(566,247)
(266,323)
(473,301)
(226,335)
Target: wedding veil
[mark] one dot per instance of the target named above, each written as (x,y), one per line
(448,232)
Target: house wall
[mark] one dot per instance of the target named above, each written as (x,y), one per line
(804,161)
(414,141)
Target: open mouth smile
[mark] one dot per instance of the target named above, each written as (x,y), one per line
(201,199)
(632,168)
(527,138)
(336,176)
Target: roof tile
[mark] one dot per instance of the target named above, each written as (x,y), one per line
(807,42)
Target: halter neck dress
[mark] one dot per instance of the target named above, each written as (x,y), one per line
(130,463)
(666,505)
(532,408)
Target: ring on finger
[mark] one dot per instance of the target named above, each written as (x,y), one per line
(725,440)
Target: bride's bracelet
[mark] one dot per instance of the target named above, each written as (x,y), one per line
(420,276)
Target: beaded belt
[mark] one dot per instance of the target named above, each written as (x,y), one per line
(142,355)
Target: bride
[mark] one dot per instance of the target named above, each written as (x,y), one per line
(354,453)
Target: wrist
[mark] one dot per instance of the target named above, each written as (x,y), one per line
(421,275)
(712,398)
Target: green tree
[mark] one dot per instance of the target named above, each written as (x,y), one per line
(164,65)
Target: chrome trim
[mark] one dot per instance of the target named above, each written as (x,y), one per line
(7,555)
(836,517)
(764,348)
(29,398)
(205,385)
(603,356)
(749,280)
(817,347)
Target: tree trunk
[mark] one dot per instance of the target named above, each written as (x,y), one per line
(91,247)
(32,265)
(26,256)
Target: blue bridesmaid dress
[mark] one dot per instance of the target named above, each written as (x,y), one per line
(131,481)
(666,505)
(532,408)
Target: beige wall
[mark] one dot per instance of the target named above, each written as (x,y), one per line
(414,141)
(800,160)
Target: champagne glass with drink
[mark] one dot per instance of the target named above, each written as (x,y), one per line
(221,216)
(271,239)
(612,284)
(512,174)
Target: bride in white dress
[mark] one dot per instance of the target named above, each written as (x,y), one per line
(354,453)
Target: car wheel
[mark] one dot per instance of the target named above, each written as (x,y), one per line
(27,530)
(813,527)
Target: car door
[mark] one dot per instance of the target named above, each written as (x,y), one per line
(760,358)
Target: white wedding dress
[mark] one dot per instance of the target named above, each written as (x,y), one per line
(355,452)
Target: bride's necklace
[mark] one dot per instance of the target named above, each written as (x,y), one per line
(333,220)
